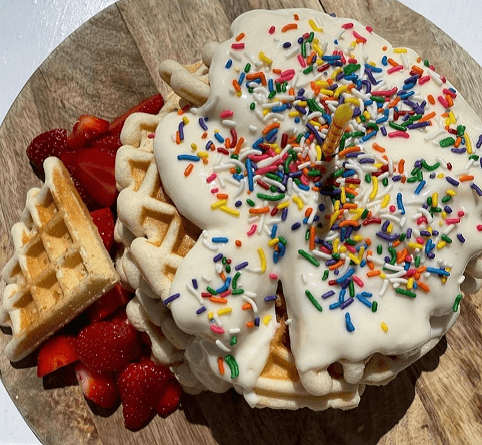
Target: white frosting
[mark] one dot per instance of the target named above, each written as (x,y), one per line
(401,323)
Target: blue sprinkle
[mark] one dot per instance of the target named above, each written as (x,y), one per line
(219,137)
(420,186)
(364,300)
(346,276)
(274,229)
(171,298)
(229,63)
(334,305)
(225,286)
(349,324)
(191,158)
(219,239)
(438,271)
(400,203)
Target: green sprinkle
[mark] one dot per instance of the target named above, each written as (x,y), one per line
(211,290)
(474,157)
(282,240)
(428,167)
(247,67)
(273,177)
(351,289)
(233,365)
(313,106)
(362,118)
(364,214)
(374,306)
(460,130)
(228,268)
(446,239)
(325,275)
(393,253)
(350,241)
(303,50)
(397,126)
(252,105)
(402,236)
(272,94)
(377,99)
(310,37)
(385,182)
(455,307)
(447,142)
(308,70)
(313,300)
(277,197)
(417,261)
(368,178)
(307,234)
(338,173)
(250,202)
(379,249)
(412,179)
(426,63)
(429,201)
(406,292)
(309,258)
(237,291)
(234,283)
(446,199)
(336,256)
(233,341)
(351,68)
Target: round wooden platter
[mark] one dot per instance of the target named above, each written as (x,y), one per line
(108,65)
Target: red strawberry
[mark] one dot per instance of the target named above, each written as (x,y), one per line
(98,388)
(104,220)
(140,386)
(56,352)
(94,169)
(170,398)
(50,143)
(107,346)
(86,129)
(109,142)
(152,105)
(107,304)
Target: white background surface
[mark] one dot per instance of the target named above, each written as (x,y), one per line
(31,29)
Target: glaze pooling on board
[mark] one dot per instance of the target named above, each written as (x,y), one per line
(369,246)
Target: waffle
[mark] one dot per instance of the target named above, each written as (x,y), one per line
(60,265)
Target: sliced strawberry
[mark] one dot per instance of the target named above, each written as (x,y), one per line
(152,105)
(109,142)
(104,220)
(170,398)
(98,388)
(107,304)
(50,143)
(140,386)
(107,346)
(56,352)
(86,129)
(94,169)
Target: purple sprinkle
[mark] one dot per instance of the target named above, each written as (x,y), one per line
(385,226)
(336,271)
(296,226)
(435,232)
(345,284)
(432,175)
(181,130)
(418,125)
(452,181)
(448,209)
(256,321)
(425,233)
(383,130)
(201,310)
(387,259)
(238,203)
(431,256)
(330,263)
(241,266)
(396,178)
(218,257)
(458,150)
(347,303)
(409,233)
(387,237)
(202,124)
(194,283)
(328,294)
(270,298)
(476,188)
(460,237)
(171,298)
(367,161)
(479,142)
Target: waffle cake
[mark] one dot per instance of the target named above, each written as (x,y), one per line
(362,242)
(59,267)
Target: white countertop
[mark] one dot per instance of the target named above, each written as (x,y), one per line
(31,29)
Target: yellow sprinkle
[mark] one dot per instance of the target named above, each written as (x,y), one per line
(262,258)
(382,275)
(390,228)
(410,283)
(273,242)
(339,90)
(335,245)
(203,154)
(435,200)
(230,211)
(322,83)
(185,120)
(451,192)
(441,244)
(335,73)
(293,113)
(354,258)
(385,201)
(337,205)
(375,188)
(443,214)
(352,101)
(452,117)
(333,217)
(343,249)
(284,204)
(265,59)
(265,111)
(266,319)
(298,201)
(399,50)
(318,152)
(413,245)
(210,315)
(314,26)
(318,50)
(358,238)
(224,311)
(468,142)
(384,327)
(343,195)
(353,44)
(366,114)
(303,103)
(440,176)
(194,146)
(326,92)
(219,204)
(361,252)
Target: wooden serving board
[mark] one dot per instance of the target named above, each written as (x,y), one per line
(108,65)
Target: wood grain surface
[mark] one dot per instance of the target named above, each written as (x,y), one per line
(108,65)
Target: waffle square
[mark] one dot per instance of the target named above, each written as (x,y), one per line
(59,267)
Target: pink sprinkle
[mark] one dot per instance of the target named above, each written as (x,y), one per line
(211,178)
(351,60)
(302,61)
(410,273)
(386,93)
(216,329)
(252,230)
(347,25)
(369,29)
(423,80)
(395,68)
(452,220)
(392,209)
(151,135)
(272,29)
(273,276)
(225,294)
(226,113)
(422,220)
(398,134)
(460,214)
(359,37)
(420,240)
(408,259)
(479,227)
(237,45)
(324,249)
(443,101)
(357,281)
(449,92)
(214,191)
(269,168)
(350,248)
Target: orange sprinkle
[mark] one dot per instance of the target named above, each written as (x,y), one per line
(218,300)
(374,273)
(378,148)
(238,145)
(270,127)
(368,241)
(394,102)
(417,69)
(178,138)
(349,222)
(227,143)
(246,307)
(238,243)
(204,135)
(258,75)
(350,205)
(423,286)
(458,141)
(312,237)
(222,276)
(308,211)
(401,255)
(289,26)
(396,243)
(431,99)
(465,178)
(427,117)
(392,62)
(240,36)
(450,100)
(236,85)
(222,196)
(188,169)
(221,365)
(259,210)
(345,151)
(336,265)
(250,324)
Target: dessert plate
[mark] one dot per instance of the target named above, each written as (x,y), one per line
(108,65)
